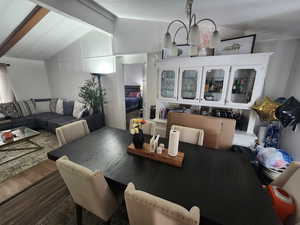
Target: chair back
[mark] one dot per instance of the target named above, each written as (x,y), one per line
(88,189)
(218,132)
(72,131)
(147,209)
(190,135)
(289,180)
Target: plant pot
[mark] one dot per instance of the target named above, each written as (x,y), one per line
(138,140)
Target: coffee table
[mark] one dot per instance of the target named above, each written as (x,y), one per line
(21,134)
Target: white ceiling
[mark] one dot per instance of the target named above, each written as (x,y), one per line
(274,16)
(52,34)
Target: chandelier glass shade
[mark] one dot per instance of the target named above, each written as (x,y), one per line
(193,34)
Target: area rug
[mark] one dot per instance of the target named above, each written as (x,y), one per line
(64,214)
(22,160)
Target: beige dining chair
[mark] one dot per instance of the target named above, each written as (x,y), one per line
(72,131)
(147,209)
(147,128)
(88,189)
(289,180)
(190,135)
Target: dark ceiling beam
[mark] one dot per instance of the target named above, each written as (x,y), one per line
(33,18)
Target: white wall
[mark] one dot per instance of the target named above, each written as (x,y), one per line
(280,66)
(68,69)
(133,74)
(71,67)
(290,141)
(28,78)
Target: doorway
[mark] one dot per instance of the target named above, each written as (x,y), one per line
(134,86)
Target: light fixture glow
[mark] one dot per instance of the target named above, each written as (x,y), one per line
(215,39)
(195,35)
(167,40)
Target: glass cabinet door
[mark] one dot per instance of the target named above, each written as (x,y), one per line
(168,84)
(189,84)
(214,84)
(242,85)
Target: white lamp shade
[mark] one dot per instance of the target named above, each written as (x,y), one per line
(195,35)
(174,49)
(167,40)
(103,65)
(215,39)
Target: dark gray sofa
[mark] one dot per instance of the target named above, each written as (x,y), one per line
(50,121)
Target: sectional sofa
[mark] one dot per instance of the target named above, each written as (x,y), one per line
(48,120)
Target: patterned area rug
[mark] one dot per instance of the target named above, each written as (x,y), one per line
(47,140)
(64,214)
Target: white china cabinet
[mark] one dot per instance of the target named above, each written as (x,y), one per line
(227,81)
(232,81)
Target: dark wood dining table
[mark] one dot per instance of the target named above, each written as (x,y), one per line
(222,184)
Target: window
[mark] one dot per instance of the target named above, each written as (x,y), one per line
(6,93)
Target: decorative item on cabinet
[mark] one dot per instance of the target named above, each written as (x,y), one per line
(238,45)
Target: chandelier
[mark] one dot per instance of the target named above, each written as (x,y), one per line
(193,34)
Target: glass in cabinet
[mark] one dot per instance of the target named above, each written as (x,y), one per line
(242,88)
(215,80)
(189,84)
(168,83)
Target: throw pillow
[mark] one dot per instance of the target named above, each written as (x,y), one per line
(25,110)
(68,108)
(42,106)
(60,106)
(78,110)
(31,106)
(52,104)
(9,110)
(2,116)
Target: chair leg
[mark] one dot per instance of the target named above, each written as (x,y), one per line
(79,214)
(108,222)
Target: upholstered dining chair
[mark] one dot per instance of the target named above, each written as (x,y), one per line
(72,131)
(289,180)
(190,135)
(88,189)
(147,209)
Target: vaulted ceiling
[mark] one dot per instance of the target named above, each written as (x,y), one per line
(273,16)
(52,34)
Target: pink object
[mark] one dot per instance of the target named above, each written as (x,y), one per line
(134,94)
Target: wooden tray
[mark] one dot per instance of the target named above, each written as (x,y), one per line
(163,157)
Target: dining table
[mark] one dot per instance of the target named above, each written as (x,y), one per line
(222,183)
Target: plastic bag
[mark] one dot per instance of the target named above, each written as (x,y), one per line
(270,157)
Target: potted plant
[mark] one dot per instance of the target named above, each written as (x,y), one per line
(92,95)
(137,133)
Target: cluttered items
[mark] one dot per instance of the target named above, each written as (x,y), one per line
(158,152)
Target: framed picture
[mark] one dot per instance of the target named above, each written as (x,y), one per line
(235,46)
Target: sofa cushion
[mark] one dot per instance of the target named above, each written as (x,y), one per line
(9,110)
(28,121)
(5,125)
(59,121)
(43,118)
(68,108)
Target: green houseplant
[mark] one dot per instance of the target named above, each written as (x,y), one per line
(92,95)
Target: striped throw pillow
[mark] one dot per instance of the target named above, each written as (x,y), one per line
(25,110)
(31,106)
